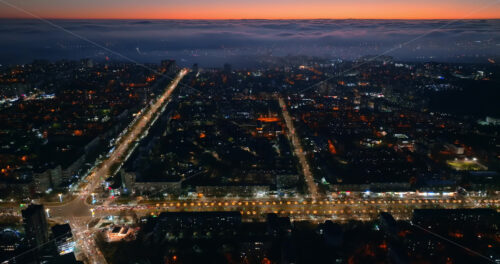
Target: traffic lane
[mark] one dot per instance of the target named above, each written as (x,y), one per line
(316,209)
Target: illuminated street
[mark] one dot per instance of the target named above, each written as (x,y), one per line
(299,151)
(78,207)
(320,210)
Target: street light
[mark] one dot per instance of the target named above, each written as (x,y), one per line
(60,197)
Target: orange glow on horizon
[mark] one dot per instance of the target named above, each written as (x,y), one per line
(237,10)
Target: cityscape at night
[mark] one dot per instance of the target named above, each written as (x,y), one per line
(262,132)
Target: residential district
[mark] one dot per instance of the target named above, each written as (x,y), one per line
(303,160)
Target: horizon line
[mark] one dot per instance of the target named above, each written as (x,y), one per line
(222,19)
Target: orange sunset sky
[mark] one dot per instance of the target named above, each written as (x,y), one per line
(256,9)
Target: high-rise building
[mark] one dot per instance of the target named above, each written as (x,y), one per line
(169,66)
(35,225)
(89,63)
(196,68)
(63,239)
(227,68)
